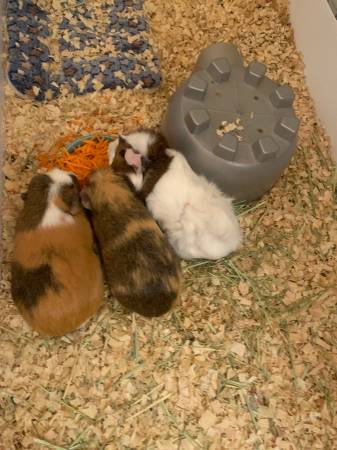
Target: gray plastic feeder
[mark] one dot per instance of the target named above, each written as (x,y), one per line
(245,162)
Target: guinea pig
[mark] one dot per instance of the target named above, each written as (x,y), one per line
(141,268)
(57,279)
(198,219)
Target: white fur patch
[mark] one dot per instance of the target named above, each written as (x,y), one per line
(60,177)
(54,217)
(140,141)
(137,180)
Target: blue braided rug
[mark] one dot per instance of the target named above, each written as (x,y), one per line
(81,45)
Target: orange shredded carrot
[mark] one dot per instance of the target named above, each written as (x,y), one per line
(90,154)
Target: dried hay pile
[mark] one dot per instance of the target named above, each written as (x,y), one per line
(248,361)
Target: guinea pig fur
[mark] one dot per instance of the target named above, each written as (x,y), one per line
(141,268)
(196,216)
(57,280)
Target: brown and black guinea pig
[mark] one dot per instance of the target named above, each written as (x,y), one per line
(141,268)
(57,279)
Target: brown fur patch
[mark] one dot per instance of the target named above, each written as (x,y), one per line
(34,247)
(159,163)
(119,165)
(29,285)
(108,187)
(112,220)
(150,291)
(132,229)
(35,203)
(68,198)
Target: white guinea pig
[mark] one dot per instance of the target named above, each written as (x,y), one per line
(196,216)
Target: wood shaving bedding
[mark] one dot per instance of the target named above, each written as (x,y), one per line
(227,127)
(248,359)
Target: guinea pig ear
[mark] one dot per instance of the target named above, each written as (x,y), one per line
(70,200)
(112,150)
(159,146)
(40,182)
(85,199)
(75,181)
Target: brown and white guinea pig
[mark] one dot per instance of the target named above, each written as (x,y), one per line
(57,280)
(197,218)
(141,268)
